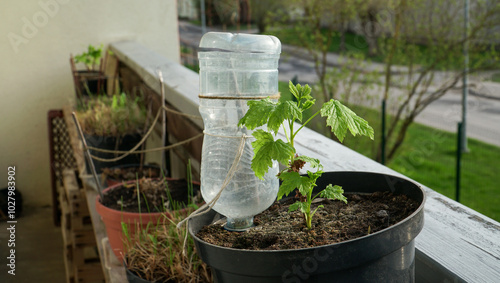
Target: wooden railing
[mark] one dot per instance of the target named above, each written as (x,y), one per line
(457,243)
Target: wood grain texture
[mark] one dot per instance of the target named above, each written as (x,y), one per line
(116,271)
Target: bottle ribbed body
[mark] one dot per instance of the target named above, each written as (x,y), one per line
(228,80)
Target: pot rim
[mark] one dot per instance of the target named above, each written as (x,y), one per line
(131,165)
(100,206)
(419,210)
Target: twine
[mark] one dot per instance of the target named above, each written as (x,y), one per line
(273,96)
(168,147)
(134,149)
(208,206)
(182,114)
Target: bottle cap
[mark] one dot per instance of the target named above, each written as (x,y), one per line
(241,42)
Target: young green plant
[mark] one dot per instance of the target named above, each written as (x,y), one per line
(90,58)
(267,147)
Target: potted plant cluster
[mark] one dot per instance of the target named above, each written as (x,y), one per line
(91,80)
(113,123)
(326,226)
(165,254)
(141,205)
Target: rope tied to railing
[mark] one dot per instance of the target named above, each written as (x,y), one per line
(148,133)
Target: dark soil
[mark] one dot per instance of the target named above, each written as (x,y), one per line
(154,196)
(131,173)
(277,229)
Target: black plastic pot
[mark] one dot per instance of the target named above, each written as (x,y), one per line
(125,143)
(385,256)
(132,278)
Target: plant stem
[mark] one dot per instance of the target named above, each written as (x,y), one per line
(286,134)
(305,123)
(308,212)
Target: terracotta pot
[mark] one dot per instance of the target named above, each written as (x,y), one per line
(113,220)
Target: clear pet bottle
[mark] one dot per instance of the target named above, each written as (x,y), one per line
(235,68)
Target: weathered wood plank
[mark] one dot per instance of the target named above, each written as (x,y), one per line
(75,141)
(116,271)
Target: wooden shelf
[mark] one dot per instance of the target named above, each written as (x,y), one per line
(81,260)
(83,204)
(114,270)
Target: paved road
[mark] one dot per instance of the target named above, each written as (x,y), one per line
(483,109)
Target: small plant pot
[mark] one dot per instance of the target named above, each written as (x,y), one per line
(110,143)
(110,181)
(115,219)
(384,256)
(132,278)
(89,83)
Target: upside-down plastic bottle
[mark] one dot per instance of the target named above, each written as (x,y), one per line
(235,68)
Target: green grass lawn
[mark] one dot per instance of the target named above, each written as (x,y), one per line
(429,157)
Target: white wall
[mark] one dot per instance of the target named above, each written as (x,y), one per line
(187,9)
(36,39)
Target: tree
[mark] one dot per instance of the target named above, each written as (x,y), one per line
(314,24)
(423,38)
(261,11)
(367,13)
(428,38)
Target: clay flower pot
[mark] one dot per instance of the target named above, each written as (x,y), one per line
(114,219)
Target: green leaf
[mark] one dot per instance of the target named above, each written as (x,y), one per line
(313,176)
(123,99)
(258,113)
(300,92)
(341,118)
(293,90)
(298,205)
(291,181)
(266,149)
(286,110)
(114,103)
(306,92)
(313,162)
(333,192)
(307,104)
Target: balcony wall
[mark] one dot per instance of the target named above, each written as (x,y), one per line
(37,40)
